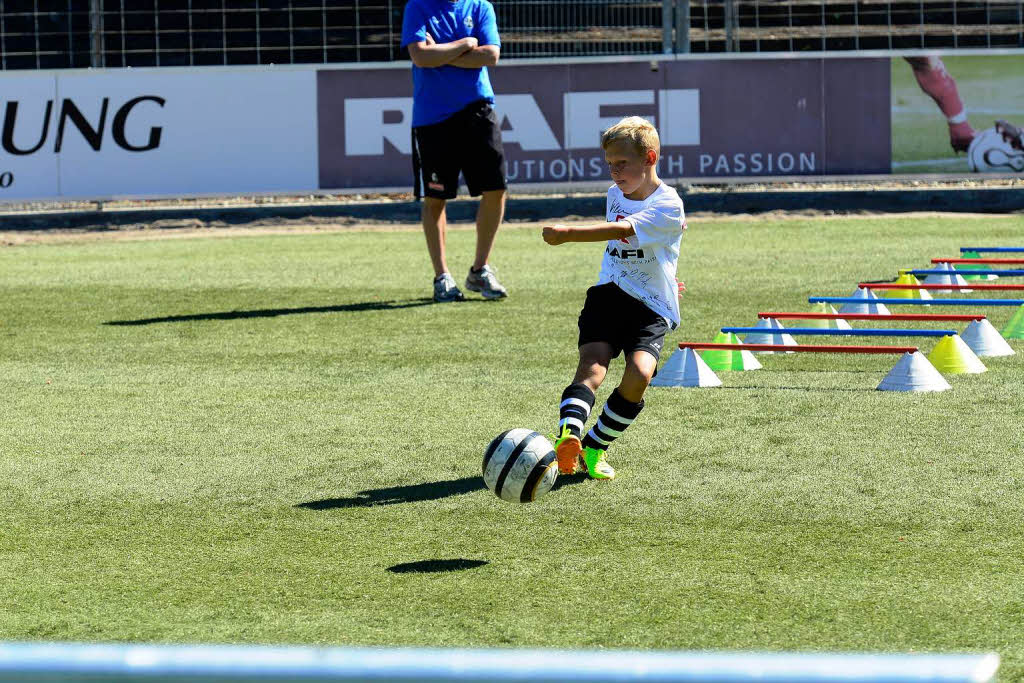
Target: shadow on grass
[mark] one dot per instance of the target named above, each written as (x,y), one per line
(415,493)
(435,566)
(275,312)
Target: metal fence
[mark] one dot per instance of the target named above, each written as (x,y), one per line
(41,34)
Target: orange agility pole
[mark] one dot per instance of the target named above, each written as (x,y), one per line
(923,317)
(893,285)
(811,348)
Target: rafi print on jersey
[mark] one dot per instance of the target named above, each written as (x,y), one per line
(625,253)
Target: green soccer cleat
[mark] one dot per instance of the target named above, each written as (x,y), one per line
(597,466)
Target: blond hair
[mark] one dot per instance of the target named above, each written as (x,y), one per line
(637,131)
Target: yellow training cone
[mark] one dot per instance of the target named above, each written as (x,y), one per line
(953,357)
(906,278)
(826,324)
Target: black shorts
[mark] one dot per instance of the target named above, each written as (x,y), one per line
(468,141)
(612,316)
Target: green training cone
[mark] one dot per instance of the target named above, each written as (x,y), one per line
(725,359)
(1015,328)
(967,266)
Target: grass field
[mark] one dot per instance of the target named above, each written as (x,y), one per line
(990,88)
(241,439)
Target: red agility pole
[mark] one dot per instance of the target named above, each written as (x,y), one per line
(892,285)
(810,348)
(978,260)
(924,317)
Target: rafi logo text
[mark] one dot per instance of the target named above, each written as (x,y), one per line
(625,253)
(370,121)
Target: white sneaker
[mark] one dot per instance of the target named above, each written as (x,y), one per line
(486,282)
(446,290)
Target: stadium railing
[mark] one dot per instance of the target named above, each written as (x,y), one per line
(56,34)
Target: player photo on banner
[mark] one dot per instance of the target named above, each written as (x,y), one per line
(958,114)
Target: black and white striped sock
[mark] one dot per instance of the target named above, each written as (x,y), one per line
(618,413)
(577,402)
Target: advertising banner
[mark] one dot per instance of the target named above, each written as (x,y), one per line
(723,118)
(157,132)
(186,132)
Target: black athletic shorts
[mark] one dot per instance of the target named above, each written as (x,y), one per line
(610,315)
(468,141)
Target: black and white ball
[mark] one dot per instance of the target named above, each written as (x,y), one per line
(520,466)
(990,153)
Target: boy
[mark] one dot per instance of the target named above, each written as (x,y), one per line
(634,302)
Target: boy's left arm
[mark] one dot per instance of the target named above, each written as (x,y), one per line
(560,234)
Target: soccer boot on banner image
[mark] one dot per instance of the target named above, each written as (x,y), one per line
(960,136)
(567,449)
(1011,134)
(597,466)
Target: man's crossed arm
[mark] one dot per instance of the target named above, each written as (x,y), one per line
(465,53)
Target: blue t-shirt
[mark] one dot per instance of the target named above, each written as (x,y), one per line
(442,91)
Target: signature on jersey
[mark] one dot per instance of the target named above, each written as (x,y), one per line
(636,275)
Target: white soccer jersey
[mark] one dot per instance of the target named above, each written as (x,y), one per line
(644,265)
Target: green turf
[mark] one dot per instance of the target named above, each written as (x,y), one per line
(990,88)
(285,418)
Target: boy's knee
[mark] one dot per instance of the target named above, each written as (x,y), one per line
(641,366)
(592,369)
(638,379)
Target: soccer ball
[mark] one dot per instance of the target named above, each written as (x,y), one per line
(520,466)
(989,153)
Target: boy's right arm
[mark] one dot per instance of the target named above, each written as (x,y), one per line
(559,234)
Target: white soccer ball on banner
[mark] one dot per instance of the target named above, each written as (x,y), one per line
(990,153)
(520,466)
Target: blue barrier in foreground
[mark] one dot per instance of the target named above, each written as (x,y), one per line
(915,302)
(79,662)
(1001,250)
(862,332)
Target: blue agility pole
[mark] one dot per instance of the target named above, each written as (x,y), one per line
(840,333)
(145,662)
(999,250)
(971,271)
(909,302)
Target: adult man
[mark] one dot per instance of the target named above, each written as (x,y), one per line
(451,44)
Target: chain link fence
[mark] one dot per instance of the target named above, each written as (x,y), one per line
(57,34)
